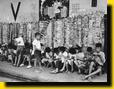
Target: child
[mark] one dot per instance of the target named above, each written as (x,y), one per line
(48,57)
(79,60)
(63,57)
(97,63)
(20,45)
(37,51)
(26,54)
(71,58)
(56,61)
(1,56)
(84,67)
(4,52)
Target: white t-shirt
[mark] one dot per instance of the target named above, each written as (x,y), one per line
(37,44)
(20,41)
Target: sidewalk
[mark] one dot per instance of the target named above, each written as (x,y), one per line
(45,75)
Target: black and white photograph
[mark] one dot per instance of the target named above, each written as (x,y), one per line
(53,41)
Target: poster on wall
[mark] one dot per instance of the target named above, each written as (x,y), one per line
(53,9)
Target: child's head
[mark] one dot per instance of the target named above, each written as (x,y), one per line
(72,51)
(98,47)
(62,49)
(89,50)
(21,35)
(38,36)
(56,50)
(48,50)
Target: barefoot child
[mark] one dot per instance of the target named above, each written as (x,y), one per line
(97,63)
(37,51)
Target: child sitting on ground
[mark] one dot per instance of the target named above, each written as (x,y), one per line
(84,67)
(71,58)
(48,57)
(79,60)
(11,52)
(57,61)
(97,63)
(4,52)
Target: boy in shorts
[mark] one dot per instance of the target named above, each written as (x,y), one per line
(97,63)
(37,51)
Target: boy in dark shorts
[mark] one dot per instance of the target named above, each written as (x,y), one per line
(26,55)
(97,63)
(37,51)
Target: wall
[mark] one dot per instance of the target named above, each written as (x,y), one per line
(86,4)
(28,10)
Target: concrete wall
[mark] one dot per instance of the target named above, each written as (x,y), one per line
(86,4)
(28,10)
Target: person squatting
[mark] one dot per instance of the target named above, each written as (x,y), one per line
(90,62)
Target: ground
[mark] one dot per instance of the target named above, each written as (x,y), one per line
(44,76)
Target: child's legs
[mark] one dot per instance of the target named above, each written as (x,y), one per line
(91,67)
(29,60)
(35,63)
(94,73)
(67,65)
(72,65)
(16,57)
(24,59)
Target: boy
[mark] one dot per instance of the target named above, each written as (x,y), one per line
(48,57)
(20,45)
(98,61)
(37,51)
(56,61)
(84,66)
(71,58)
(26,54)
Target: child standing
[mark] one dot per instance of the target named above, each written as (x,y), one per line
(37,51)
(20,45)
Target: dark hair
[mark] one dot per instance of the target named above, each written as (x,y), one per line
(89,49)
(48,50)
(62,49)
(72,50)
(56,50)
(37,33)
(10,45)
(99,45)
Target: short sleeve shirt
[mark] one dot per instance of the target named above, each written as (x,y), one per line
(20,41)
(37,44)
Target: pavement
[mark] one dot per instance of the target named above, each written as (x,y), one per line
(44,76)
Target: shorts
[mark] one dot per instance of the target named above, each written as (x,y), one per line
(37,55)
(97,65)
(28,57)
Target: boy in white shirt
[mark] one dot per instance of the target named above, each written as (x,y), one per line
(37,51)
(97,63)
(20,45)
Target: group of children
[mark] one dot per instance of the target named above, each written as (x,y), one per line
(90,61)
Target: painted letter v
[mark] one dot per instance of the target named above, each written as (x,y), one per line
(15,14)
